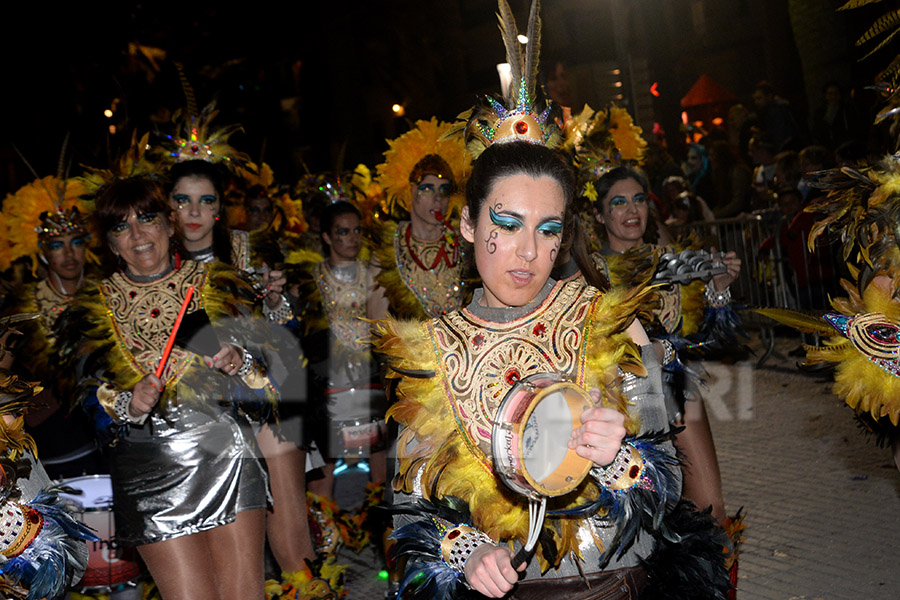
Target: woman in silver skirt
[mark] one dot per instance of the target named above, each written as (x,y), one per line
(188,489)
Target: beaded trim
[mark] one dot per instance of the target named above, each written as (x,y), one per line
(623,472)
(279,315)
(459,543)
(120,407)
(716,298)
(246,366)
(19,525)
(669,354)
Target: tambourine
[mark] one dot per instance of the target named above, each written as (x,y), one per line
(531,434)
(530,445)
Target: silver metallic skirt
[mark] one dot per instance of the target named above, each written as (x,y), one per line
(191,471)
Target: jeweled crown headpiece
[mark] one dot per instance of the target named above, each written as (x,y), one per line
(196,139)
(522,116)
(59,222)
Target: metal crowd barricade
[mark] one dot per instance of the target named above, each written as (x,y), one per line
(767,279)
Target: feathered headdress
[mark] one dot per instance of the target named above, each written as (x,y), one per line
(862,206)
(600,142)
(523,116)
(888,80)
(403,162)
(40,210)
(288,209)
(195,138)
(133,162)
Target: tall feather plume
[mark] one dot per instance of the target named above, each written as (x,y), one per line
(510,33)
(533,48)
(189,98)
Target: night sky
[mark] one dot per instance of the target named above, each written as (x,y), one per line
(312,83)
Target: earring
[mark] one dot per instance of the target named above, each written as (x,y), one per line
(217,217)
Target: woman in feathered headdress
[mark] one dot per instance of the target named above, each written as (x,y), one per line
(419,261)
(48,231)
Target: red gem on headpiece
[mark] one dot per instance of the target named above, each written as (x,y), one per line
(521,127)
(34,516)
(478,340)
(132,294)
(539,330)
(453,534)
(512,376)
(634,471)
(154,313)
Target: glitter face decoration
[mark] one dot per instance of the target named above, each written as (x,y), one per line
(142,242)
(430,200)
(517,238)
(195,206)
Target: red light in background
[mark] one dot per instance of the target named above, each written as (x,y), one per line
(654,89)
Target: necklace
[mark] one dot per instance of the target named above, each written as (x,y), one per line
(441,253)
(205,256)
(149,278)
(62,289)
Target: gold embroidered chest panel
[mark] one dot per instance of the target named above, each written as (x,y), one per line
(439,289)
(49,304)
(345,305)
(480,361)
(669,310)
(143,315)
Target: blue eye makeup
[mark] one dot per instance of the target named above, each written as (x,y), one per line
(54,246)
(79,242)
(208,199)
(427,187)
(181,199)
(147,218)
(504,222)
(622,201)
(550,228)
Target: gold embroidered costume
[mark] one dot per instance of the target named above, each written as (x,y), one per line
(444,448)
(344,303)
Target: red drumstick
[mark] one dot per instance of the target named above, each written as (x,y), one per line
(171,342)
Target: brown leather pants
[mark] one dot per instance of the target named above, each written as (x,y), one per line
(620,584)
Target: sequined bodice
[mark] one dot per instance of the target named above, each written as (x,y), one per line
(345,304)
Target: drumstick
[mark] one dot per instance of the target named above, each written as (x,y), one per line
(171,342)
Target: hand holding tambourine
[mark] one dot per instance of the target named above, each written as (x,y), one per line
(600,436)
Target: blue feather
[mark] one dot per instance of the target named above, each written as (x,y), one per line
(56,556)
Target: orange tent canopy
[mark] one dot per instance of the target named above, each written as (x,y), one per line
(705,92)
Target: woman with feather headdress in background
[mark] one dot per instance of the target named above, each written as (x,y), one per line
(48,235)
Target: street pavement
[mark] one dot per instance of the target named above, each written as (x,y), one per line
(822,503)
